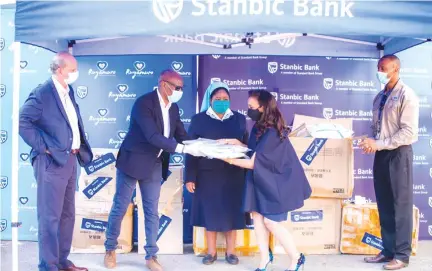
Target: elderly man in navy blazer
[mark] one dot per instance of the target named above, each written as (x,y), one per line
(155,131)
(50,122)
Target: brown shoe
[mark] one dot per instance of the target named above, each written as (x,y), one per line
(110,260)
(395,265)
(153,265)
(377,259)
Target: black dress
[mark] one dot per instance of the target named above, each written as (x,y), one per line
(219,186)
(277,184)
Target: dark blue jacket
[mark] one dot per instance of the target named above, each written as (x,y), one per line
(140,148)
(44,125)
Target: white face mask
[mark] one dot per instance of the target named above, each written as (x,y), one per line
(175,96)
(73,76)
(383,78)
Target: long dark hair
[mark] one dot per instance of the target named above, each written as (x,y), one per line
(271,116)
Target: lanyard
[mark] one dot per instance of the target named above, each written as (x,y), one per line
(381,109)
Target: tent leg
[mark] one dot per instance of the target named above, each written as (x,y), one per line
(197,79)
(15,140)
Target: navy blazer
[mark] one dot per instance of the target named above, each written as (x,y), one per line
(144,140)
(44,125)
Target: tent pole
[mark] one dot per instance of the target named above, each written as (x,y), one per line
(15,140)
(342,39)
(197,96)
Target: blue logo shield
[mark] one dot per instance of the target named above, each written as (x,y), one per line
(3,182)
(2,90)
(82,91)
(3,225)
(2,44)
(3,136)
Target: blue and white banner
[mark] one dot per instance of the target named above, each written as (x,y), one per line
(108,86)
(334,87)
(34,70)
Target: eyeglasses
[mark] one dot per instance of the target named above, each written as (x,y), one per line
(178,88)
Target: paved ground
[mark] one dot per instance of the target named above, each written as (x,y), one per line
(134,262)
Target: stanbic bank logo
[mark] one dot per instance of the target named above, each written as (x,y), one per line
(272,67)
(167,11)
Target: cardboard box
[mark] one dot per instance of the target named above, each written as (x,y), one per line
(170,235)
(315,227)
(361,231)
(246,244)
(89,231)
(328,163)
(96,187)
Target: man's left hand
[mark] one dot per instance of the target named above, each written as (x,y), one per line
(368,145)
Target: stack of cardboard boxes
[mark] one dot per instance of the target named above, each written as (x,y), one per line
(328,164)
(93,200)
(170,234)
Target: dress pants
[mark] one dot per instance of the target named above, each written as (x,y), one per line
(55,210)
(150,192)
(393,182)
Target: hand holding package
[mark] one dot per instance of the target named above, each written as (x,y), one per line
(193,149)
(214,149)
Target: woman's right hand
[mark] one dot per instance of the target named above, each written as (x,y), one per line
(190,186)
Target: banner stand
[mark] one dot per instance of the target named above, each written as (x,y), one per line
(15,141)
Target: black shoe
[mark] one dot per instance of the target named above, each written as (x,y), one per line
(232,259)
(209,259)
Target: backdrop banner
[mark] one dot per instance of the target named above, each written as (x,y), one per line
(105,91)
(331,87)
(109,85)
(34,70)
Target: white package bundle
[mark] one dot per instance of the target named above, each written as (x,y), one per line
(214,149)
(325,130)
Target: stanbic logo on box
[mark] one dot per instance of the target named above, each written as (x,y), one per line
(168,10)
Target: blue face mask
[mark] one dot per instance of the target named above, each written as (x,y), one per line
(221,106)
(383,78)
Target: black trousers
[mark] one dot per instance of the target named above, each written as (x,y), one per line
(393,182)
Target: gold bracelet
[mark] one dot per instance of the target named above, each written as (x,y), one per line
(230,161)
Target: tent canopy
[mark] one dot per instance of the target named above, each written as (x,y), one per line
(396,25)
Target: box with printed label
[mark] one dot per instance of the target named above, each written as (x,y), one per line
(103,163)
(246,244)
(170,233)
(328,163)
(97,181)
(315,227)
(89,231)
(361,231)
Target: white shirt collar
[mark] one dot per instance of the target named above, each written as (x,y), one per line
(162,102)
(59,86)
(210,112)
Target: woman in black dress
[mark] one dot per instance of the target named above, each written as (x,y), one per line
(276,183)
(217,186)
